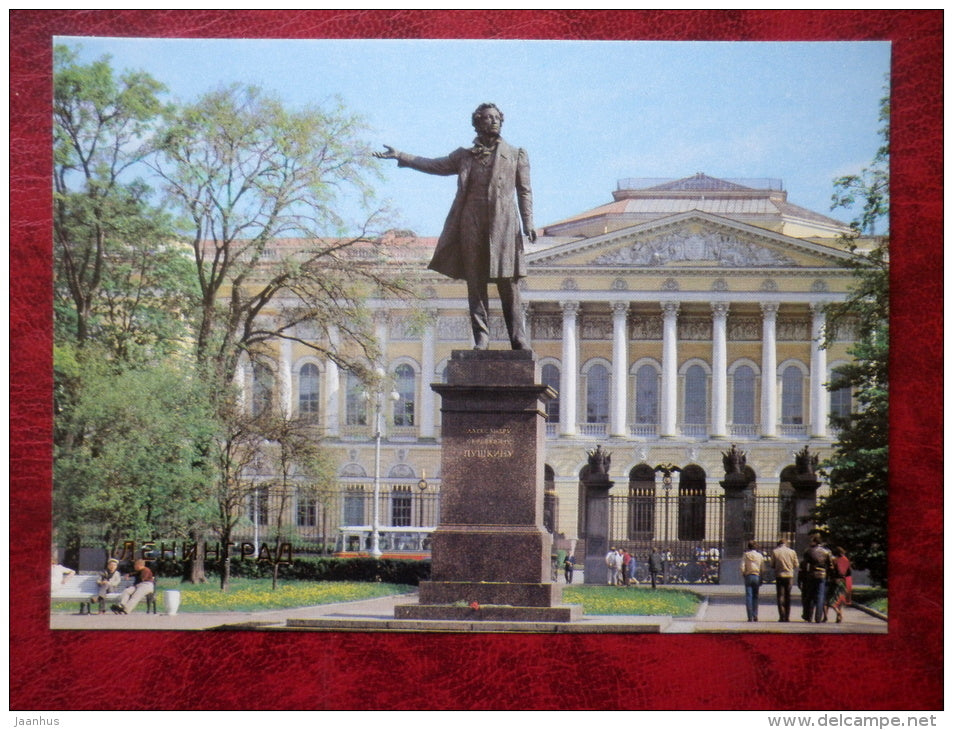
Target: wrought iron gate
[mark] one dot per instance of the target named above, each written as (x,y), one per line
(688,529)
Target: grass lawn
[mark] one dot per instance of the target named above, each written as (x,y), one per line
(248,594)
(615,601)
(875,598)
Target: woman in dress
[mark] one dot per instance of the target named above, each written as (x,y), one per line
(837,590)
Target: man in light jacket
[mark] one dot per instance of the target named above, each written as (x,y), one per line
(784,561)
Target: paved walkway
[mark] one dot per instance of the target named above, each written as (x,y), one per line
(722,611)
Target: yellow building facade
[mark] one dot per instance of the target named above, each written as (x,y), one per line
(680,318)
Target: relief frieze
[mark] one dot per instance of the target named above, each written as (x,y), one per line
(793,330)
(596,327)
(453,329)
(706,248)
(744,329)
(645,328)
(403,329)
(694,328)
(547,326)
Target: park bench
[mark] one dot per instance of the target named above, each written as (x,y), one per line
(82,587)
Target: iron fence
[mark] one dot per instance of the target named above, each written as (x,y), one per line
(343,521)
(688,529)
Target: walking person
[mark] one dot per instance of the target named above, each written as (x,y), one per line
(752,563)
(837,585)
(816,564)
(569,564)
(784,561)
(627,565)
(614,563)
(656,565)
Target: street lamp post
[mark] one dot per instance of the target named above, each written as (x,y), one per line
(667,470)
(422,486)
(375,551)
(256,466)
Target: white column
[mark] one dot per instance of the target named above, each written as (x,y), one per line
(719,369)
(241,381)
(669,369)
(427,367)
(332,389)
(820,398)
(569,375)
(769,370)
(285,384)
(381,320)
(620,368)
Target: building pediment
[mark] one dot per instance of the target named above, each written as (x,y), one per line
(693,240)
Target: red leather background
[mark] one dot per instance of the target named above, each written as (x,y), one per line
(902,670)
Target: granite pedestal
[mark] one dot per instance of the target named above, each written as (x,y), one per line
(491,552)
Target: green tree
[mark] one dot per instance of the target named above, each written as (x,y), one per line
(119,277)
(299,467)
(128,419)
(131,470)
(855,512)
(257,188)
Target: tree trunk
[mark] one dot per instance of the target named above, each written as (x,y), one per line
(197,566)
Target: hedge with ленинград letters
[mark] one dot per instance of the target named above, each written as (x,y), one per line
(369,570)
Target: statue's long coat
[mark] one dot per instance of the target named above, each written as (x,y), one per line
(511,201)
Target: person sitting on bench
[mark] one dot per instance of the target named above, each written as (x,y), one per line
(143,586)
(107,582)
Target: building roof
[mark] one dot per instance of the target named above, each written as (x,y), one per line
(761,202)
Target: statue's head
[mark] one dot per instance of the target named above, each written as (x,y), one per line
(487,118)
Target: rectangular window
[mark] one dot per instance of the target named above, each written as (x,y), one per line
(400,509)
(307,512)
(840,403)
(356,403)
(743,410)
(258,507)
(792,399)
(354,508)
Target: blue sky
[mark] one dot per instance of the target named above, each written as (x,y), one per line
(588,113)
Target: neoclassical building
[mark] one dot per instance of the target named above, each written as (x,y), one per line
(680,318)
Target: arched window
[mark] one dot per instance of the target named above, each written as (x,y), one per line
(355,405)
(263,382)
(792,395)
(550,376)
(691,503)
(642,502)
(646,394)
(696,396)
(743,407)
(308,392)
(597,394)
(405,383)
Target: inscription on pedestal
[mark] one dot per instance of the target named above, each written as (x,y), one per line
(489,443)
